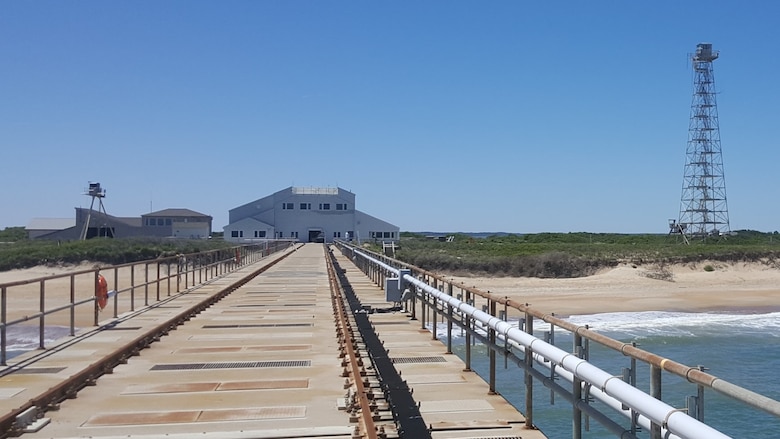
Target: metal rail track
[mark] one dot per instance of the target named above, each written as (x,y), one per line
(348,341)
(50,400)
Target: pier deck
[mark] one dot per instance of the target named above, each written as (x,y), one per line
(262,362)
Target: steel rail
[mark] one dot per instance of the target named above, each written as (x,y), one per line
(50,399)
(349,340)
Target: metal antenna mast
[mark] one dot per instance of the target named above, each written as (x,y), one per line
(703,208)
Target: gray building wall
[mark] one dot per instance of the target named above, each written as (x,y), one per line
(303,214)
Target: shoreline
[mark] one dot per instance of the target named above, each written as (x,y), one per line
(741,288)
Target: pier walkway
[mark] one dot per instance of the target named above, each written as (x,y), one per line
(263,359)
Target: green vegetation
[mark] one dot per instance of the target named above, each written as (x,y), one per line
(12,234)
(29,253)
(577,254)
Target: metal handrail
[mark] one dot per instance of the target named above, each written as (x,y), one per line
(387,266)
(166,275)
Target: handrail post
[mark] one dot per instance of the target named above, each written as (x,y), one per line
(72,305)
(529,379)
(146,284)
(655,392)
(94,296)
(3,318)
(434,311)
(41,321)
(576,417)
(491,351)
(449,320)
(469,324)
(116,292)
(132,287)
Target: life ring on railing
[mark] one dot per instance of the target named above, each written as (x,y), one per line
(101,291)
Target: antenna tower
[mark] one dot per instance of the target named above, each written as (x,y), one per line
(703,208)
(96,192)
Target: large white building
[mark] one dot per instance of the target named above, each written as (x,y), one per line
(308,215)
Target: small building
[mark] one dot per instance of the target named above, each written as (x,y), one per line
(176,223)
(38,227)
(307,215)
(168,223)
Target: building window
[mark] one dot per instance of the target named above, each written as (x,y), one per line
(337,234)
(341,206)
(293,234)
(305,206)
(234,234)
(287,206)
(259,233)
(168,221)
(324,206)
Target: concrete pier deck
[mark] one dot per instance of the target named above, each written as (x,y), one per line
(261,363)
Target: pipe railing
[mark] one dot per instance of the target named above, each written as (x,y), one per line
(47,299)
(662,419)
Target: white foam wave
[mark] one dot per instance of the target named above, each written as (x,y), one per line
(25,338)
(679,324)
(657,323)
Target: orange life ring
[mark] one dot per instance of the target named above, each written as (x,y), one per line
(101,291)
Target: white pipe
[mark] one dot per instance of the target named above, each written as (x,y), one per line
(660,413)
(642,420)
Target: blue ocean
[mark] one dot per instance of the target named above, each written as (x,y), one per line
(743,349)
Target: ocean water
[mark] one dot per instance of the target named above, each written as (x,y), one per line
(23,338)
(743,349)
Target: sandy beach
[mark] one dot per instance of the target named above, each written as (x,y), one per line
(741,287)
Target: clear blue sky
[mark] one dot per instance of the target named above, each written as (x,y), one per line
(438,115)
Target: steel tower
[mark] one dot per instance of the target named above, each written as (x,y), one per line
(703,208)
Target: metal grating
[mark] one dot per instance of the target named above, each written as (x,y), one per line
(258,305)
(39,370)
(414,360)
(263,325)
(232,365)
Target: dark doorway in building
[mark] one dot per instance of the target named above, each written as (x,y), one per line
(100,232)
(316,236)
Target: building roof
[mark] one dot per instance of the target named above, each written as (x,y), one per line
(51,223)
(176,212)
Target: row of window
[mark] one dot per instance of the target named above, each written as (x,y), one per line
(158,221)
(240,234)
(279,234)
(380,235)
(307,206)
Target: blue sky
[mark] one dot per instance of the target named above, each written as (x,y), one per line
(438,115)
